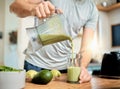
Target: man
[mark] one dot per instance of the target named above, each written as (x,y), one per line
(78,13)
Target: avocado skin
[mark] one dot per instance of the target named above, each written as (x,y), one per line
(42,77)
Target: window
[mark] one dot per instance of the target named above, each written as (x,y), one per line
(115,35)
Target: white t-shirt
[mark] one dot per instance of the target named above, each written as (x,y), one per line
(78,13)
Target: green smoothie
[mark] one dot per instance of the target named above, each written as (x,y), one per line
(46,39)
(73,74)
(51,38)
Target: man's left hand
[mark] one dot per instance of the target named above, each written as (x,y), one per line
(84,75)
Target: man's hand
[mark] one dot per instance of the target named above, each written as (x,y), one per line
(84,75)
(44,9)
(34,1)
(41,9)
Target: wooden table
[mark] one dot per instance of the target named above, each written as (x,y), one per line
(96,83)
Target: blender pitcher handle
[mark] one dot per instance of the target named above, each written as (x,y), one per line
(36,21)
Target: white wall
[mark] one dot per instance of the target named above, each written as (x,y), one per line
(12,54)
(2,16)
(107,19)
(114,17)
(104,31)
(11,23)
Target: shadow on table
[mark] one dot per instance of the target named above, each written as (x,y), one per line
(98,74)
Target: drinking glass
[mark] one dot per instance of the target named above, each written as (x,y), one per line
(73,70)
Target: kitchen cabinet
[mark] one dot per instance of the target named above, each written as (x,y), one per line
(108,8)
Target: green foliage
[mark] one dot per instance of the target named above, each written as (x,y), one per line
(6,68)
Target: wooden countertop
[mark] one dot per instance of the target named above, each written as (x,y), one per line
(96,83)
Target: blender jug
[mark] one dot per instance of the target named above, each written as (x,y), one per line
(49,31)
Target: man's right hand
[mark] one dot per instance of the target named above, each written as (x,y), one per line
(41,9)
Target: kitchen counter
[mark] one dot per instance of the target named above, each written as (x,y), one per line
(96,83)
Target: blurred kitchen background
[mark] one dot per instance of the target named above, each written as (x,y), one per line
(14,40)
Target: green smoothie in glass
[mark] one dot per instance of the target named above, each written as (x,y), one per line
(73,74)
(73,70)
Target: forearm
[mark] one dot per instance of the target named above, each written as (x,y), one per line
(86,57)
(22,8)
(39,8)
(85,50)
